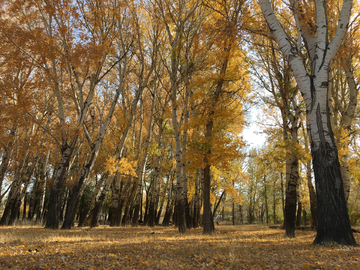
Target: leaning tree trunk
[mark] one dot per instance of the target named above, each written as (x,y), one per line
(16,206)
(169,208)
(129,202)
(6,154)
(54,204)
(100,202)
(85,212)
(163,196)
(15,190)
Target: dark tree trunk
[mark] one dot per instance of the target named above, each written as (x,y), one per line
(100,202)
(14,192)
(241,214)
(64,204)
(54,205)
(290,206)
(169,209)
(266,202)
(282,196)
(304,217)
(274,202)
(207,227)
(181,215)
(115,196)
(25,206)
(6,154)
(197,197)
(73,202)
(128,204)
(86,211)
(40,210)
(291,196)
(332,215)
(187,214)
(312,195)
(15,214)
(151,220)
(136,208)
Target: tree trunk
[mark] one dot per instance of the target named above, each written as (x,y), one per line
(266,202)
(85,212)
(15,190)
(115,197)
(197,199)
(346,121)
(6,154)
(282,195)
(100,202)
(168,186)
(129,202)
(54,205)
(156,189)
(22,195)
(169,208)
(207,228)
(241,214)
(141,171)
(333,219)
(274,202)
(290,201)
(298,214)
(40,212)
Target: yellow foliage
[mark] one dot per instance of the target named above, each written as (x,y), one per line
(123,166)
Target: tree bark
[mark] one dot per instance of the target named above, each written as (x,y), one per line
(197,200)
(266,202)
(5,161)
(26,179)
(100,202)
(156,189)
(20,171)
(115,198)
(333,218)
(54,205)
(85,212)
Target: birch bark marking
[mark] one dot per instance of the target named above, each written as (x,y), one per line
(333,218)
(346,122)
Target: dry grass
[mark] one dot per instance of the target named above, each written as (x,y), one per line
(231,247)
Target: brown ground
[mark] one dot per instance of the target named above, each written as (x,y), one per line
(231,247)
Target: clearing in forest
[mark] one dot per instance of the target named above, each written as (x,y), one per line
(230,247)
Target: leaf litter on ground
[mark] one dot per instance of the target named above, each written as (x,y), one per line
(230,247)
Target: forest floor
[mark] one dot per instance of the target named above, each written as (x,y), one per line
(230,247)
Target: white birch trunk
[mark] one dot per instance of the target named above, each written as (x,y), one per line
(333,219)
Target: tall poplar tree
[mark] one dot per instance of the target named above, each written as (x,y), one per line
(312,77)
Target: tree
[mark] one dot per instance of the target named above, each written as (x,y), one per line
(312,78)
